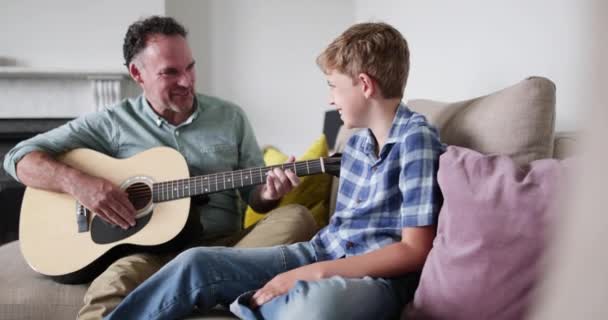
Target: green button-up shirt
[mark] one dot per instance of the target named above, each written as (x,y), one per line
(216,137)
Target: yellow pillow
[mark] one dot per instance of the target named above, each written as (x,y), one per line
(313,191)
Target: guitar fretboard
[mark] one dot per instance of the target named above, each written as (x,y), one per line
(176,189)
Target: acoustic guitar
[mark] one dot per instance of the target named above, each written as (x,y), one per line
(62,239)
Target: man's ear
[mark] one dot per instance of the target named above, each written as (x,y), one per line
(368,85)
(135,73)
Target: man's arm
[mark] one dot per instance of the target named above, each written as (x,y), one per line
(390,261)
(39,170)
(32,162)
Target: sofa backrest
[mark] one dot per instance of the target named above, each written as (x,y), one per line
(518,121)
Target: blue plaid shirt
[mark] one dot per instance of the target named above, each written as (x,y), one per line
(379,196)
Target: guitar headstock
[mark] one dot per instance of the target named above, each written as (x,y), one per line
(332,164)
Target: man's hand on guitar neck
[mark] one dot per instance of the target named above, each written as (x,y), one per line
(108,201)
(278,183)
(39,170)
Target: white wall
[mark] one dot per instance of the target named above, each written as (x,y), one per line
(68,34)
(462,49)
(261,55)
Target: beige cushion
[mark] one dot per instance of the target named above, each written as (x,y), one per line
(517,121)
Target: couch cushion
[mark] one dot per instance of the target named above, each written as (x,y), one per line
(517,121)
(28,295)
(492,231)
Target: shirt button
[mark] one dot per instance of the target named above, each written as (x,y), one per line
(176,133)
(349,245)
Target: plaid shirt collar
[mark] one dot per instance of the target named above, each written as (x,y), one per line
(402,116)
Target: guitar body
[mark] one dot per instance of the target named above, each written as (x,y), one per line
(49,235)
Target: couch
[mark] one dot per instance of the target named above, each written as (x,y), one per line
(517,121)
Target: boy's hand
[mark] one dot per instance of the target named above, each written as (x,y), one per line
(281,284)
(279,182)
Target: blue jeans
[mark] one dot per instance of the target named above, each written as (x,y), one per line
(204,277)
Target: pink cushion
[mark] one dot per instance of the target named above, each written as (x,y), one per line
(492,229)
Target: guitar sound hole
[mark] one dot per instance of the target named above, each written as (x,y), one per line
(139,195)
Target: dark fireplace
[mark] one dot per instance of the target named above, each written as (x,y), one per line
(12,131)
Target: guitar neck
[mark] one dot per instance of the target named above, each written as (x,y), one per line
(177,189)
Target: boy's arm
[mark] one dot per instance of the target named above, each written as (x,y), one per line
(390,261)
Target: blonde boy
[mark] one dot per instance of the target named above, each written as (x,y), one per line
(364,264)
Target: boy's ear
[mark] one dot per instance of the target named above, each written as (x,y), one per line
(368,85)
(135,73)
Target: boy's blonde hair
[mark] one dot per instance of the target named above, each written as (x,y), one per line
(376,49)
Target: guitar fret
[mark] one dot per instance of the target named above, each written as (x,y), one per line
(175,189)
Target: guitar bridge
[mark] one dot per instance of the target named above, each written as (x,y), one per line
(82,215)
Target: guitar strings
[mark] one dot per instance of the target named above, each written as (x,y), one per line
(144,191)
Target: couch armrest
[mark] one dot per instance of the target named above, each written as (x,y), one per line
(565,144)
